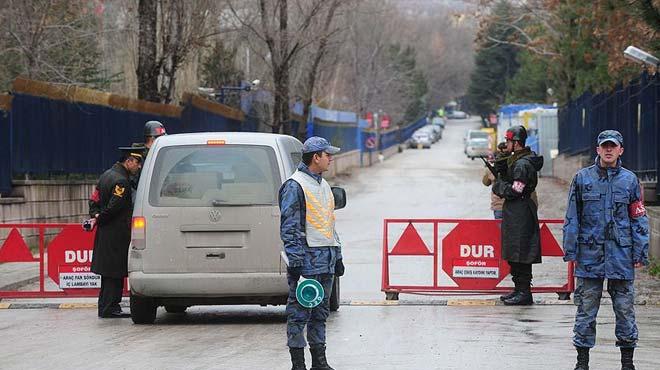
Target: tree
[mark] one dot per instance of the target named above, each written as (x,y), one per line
(219,69)
(52,40)
(530,83)
(411,85)
(320,51)
(495,63)
(169,30)
(281,38)
(370,84)
(443,37)
(649,12)
(582,40)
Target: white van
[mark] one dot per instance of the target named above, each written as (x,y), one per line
(206,222)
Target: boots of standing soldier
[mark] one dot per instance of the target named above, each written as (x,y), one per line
(522,297)
(627,359)
(582,358)
(297,358)
(512,293)
(319,361)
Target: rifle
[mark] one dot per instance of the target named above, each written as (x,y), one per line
(490,166)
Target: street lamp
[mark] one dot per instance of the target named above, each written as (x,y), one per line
(640,55)
(221,91)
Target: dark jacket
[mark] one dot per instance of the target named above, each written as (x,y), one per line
(606,229)
(520,227)
(112,202)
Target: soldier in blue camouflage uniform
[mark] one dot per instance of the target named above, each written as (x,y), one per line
(606,233)
(312,248)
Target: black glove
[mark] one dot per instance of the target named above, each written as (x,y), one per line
(295,272)
(500,166)
(339,268)
(88,225)
(498,187)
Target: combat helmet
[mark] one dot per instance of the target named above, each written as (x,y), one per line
(154,128)
(516,133)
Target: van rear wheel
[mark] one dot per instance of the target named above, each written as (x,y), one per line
(334,296)
(175,309)
(143,310)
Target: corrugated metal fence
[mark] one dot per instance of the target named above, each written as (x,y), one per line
(48,129)
(5,143)
(632,110)
(340,128)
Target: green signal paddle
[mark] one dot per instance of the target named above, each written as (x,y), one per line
(309,293)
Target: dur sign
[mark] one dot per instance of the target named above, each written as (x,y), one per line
(70,259)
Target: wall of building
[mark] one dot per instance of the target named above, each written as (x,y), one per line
(565,167)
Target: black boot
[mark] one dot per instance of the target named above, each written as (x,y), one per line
(319,361)
(520,298)
(297,358)
(627,359)
(510,294)
(582,358)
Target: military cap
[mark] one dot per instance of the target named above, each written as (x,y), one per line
(318,144)
(132,151)
(610,135)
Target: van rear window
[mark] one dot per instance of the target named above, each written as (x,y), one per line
(204,176)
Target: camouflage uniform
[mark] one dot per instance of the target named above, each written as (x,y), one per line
(606,233)
(317,263)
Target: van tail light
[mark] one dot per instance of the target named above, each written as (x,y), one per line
(138,232)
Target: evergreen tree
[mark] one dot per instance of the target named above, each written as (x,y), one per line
(411,83)
(530,83)
(495,64)
(54,41)
(219,69)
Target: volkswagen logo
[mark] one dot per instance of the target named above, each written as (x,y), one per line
(214,215)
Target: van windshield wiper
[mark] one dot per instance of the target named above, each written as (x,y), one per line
(224,203)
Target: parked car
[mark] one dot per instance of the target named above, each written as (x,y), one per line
(438,121)
(421,139)
(205,223)
(473,134)
(457,114)
(434,130)
(477,147)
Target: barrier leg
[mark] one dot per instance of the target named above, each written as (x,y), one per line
(392,296)
(564,296)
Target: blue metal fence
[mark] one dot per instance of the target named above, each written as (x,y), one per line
(194,119)
(5,151)
(56,136)
(60,130)
(393,136)
(409,130)
(632,110)
(341,128)
(42,134)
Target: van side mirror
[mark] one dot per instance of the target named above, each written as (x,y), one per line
(340,197)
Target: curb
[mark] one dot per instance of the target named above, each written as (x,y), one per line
(349,303)
(475,302)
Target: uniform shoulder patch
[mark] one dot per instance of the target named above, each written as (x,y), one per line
(636,209)
(95,197)
(119,191)
(518,186)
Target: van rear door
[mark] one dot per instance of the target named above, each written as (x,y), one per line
(213,208)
